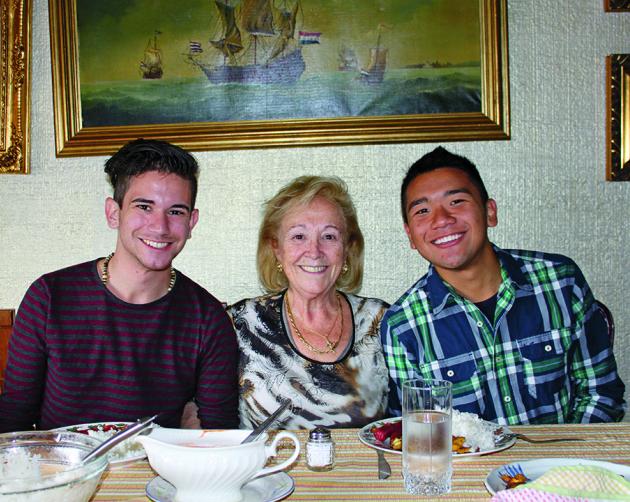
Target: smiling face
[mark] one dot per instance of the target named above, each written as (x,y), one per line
(310,245)
(447,220)
(154,222)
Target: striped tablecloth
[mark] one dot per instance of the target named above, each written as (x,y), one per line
(355,474)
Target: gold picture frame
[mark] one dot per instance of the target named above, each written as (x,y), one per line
(74,138)
(15,105)
(617,5)
(618,117)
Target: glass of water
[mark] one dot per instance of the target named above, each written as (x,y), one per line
(427,443)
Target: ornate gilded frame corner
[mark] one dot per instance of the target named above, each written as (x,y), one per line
(618,117)
(15,103)
(617,5)
(72,138)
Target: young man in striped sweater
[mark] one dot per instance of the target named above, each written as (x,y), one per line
(122,337)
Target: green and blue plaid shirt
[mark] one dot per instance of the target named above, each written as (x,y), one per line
(546,358)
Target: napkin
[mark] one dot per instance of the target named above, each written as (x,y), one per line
(575,483)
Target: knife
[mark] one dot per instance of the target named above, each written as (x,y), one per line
(384,469)
(267,423)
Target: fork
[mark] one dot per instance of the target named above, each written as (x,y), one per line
(512,470)
(384,469)
(513,476)
(504,438)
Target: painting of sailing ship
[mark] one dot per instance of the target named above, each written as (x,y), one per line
(151,64)
(268,66)
(257,42)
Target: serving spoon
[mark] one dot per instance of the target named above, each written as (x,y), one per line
(267,423)
(117,438)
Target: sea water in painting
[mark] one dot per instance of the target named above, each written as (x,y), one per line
(239,60)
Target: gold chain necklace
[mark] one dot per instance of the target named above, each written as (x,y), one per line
(105,274)
(331,346)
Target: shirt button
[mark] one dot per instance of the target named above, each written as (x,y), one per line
(479,324)
(547,348)
(450,373)
(507,399)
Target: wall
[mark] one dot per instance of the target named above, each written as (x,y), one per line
(548,179)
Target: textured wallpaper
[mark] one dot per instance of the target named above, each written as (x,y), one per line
(548,179)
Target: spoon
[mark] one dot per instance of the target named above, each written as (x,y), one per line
(266,424)
(117,438)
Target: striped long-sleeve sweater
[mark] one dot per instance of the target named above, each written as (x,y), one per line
(79,354)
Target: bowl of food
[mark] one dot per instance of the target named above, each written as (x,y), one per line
(46,465)
(130,450)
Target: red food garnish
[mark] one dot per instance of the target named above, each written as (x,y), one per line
(387,430)
(99,428)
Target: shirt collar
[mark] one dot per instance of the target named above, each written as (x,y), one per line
(439,292)
(513,269)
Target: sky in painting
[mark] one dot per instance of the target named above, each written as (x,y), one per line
(114,33)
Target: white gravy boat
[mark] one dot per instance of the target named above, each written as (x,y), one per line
(211,466)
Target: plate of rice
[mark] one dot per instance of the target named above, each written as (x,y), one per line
(478,435)
(126,452)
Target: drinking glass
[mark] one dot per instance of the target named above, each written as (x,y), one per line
(427,443)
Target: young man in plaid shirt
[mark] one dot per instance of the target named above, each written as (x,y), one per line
(516,332)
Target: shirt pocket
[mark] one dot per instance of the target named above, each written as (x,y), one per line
(467,380)
(544,359)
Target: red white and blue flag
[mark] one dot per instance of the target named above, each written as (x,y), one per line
(195,47)
(309,37)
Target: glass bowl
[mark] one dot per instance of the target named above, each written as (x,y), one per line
(46,465)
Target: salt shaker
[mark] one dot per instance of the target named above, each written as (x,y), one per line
(320,450)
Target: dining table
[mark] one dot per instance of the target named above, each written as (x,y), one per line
(354,476)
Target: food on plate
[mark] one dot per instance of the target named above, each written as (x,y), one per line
(513,481)
(459,445)
(96,428)
(391,431)
(479,434)
(396,443)
(129,448)
(385,431)
(470,433)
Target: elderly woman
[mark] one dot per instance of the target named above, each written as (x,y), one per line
(311,339)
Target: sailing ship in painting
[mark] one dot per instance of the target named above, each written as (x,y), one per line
(256,41)
(375,70)
(347,59)
(151,64)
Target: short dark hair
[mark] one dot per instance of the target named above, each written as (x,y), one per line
(144,155)
(436,159)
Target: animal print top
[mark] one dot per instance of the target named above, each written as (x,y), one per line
(351,392)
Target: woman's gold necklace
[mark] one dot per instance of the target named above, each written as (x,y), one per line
(331,346)
(105,274)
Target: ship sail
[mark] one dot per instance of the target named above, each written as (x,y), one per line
(378,60)
(257,17)
(375,70)
(286,21)
(231,43)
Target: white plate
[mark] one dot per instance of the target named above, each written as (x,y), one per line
(367,438)
(266,489)
(120,455)
(533,469)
